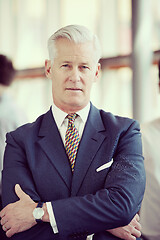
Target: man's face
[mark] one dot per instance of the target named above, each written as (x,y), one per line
(73,72)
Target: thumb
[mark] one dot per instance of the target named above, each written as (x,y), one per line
(20,193)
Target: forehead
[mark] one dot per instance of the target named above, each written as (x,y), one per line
(69,50)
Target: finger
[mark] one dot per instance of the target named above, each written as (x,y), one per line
(3,220)
(137,217)
(134,223)
(135,220)
(20,193)
(136,233)
(4,228)
(138,226)
(10,233)
(2,213)
(129,236)
(133,238)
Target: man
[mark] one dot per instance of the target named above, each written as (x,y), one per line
(83,166)
(150,218)
(11,116)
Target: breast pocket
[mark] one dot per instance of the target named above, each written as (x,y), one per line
(104,166)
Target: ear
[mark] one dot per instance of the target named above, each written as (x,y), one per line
(97,72)
(48,68)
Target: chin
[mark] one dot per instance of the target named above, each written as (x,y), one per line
(75,101)
(76,106)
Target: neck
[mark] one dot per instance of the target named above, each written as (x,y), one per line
(70,109)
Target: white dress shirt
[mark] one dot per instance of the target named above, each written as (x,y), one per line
(62,124)
(150,209)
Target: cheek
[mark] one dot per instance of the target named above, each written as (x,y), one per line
(56,89)
(57,81)
(89,81)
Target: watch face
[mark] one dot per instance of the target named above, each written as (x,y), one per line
(38,213)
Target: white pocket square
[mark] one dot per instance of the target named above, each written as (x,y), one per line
(104,166)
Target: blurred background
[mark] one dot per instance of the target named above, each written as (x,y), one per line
(129,32)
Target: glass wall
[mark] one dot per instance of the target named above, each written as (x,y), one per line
(26,25)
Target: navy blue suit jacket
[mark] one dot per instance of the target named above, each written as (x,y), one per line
(87,201)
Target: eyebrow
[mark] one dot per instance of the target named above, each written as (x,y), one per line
(82,63)
(66,62)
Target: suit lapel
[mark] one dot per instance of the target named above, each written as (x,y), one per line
(51,143)
(89,145)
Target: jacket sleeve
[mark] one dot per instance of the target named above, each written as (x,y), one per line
(15,170)
(114,205)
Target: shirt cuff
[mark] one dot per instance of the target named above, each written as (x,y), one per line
(52,217)
(90,237)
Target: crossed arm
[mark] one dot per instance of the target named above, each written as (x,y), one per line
(17,217)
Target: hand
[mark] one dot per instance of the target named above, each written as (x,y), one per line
(17,217)
(129,232)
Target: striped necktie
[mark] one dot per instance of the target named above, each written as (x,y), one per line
(72,139)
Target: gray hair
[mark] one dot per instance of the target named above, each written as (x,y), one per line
(77,34)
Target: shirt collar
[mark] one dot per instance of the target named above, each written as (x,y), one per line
(59,115)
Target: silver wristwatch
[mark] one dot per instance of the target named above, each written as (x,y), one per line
(38,212)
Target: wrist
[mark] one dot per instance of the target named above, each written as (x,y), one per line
(45,217)
(35,222)
(38,212)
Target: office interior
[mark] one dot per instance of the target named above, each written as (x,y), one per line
(129,33)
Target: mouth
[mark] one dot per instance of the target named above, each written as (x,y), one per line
(74,89)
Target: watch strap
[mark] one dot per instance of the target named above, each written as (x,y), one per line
(39,205)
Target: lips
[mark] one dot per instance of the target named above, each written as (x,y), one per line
(74,89)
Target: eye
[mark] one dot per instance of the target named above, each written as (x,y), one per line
(65,65)
(84,67)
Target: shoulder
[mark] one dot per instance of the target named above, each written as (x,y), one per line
(114,125)
(29,130)
(118,122)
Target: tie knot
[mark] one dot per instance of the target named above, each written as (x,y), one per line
(71,117)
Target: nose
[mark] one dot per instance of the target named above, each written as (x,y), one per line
(75,75)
